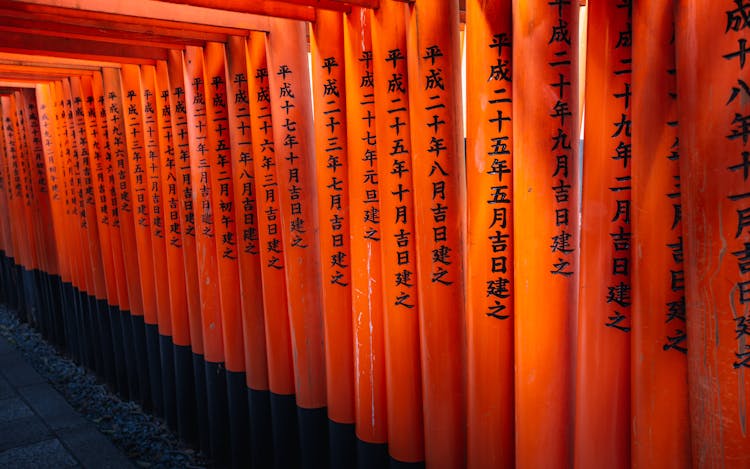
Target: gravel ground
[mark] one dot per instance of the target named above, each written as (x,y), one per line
(146,440)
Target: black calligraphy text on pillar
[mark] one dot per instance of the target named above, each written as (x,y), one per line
(401,199)
(499,285)
(336,269)
(675,313)
(561,149)
(738,130)
(273,252)
(618,293)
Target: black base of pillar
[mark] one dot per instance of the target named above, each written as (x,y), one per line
(118,352)
(140,352)
(187,417)
(372,455)
(313,437)
(261,441)
(342,445)
(128,348)
(218,411)
(169,400)
(286,451)
(108,350)
(201,400)
(154,369)
(406,465)
(239,424)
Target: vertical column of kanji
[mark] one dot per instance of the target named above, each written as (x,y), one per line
(272,263)
(200,176)
(366,237)
(71,248)
(289,83)
(99,232)
(28,218)
(14,195)
(713,99)
(77,225)
(397,234)
(9,288)
(179,348)
(329,107)
(153,162)
(545,227)
(440,203)
(248,253)
(222,200)
(602,386)
(48,183)
(131,306)
(147,332)
(187,361)
(41,210)
(109,219)
(489,288)
(87,211)
(659,434)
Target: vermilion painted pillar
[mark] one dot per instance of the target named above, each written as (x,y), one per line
(248,251)
(330,114)
(366,237)
(186,209)
(289,89)
(545,229)
(602,386)
(272,259)
(154,137)
(489,287)
(398,235)
(225,232)
(132,317)
(200,168)
(133,109)
(439,208)
(660,416)
(170,194)
(713,99)
(107,199)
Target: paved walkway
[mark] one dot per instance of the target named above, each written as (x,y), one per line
(39,429)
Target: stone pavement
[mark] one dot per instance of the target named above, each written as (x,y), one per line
(39,429)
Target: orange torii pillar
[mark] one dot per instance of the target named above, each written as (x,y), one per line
(659,379)
(43,216)
(53,182)
(211,321)
(440,204)
(131,306)
(489,287)
(289,87)
(398,237)
(248,252)
(138,162)
(97,227)
(713,98)
(154,141)
(224,214)
(273,265)
(110,214)
(329,105)
(190,360)
(9,287)
(167,115)
(75,152)
(545,227)
(602,385)
(366,237)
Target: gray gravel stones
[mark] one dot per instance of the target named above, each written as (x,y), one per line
(146,440)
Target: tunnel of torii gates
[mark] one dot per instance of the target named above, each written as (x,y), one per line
(303,234)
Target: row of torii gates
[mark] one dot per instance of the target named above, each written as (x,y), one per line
(298,259)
